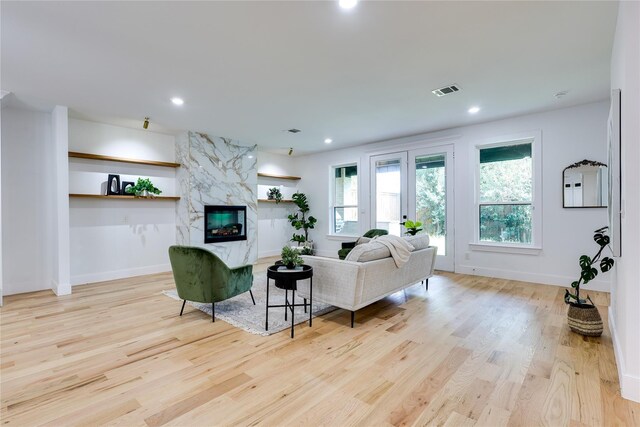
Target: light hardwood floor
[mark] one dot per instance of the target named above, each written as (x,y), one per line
(470,351)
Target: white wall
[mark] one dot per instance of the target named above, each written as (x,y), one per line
(111,239)
(274,230)
(568,135)
(28,188)
(61,281)
(624,315)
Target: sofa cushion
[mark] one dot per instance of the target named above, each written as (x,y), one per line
(362,240)
(419,241)
(368,252)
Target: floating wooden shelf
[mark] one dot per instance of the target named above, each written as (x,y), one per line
(273,201)
(118,197)
(268,175)
(122,159)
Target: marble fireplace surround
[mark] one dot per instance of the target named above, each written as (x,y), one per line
(216,171)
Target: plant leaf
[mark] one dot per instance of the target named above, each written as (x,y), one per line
(574,284)
(585,261)
(588,274)
(606,264)
(602,240)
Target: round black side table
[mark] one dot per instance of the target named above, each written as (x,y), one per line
(288,280)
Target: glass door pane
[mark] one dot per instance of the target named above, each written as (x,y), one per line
(431,199)
(389,185)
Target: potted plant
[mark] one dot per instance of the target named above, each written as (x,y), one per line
(300,221)
(274,194)
(291,257)
(143,188)
(412,227)
(583,315)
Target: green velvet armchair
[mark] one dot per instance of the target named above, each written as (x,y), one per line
(347,246)
(201,276)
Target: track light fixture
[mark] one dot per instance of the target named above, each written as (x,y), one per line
(290,150)
(145,124)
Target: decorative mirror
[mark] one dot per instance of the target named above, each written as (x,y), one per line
(585,185)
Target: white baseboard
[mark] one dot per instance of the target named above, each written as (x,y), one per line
(629,384)
(59,290)
(85,279)
(547,279)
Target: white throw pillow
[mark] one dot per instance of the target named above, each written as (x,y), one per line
(419,241)
(368,252)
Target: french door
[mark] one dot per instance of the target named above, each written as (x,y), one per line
(389,191)
(417,185)
(430,187)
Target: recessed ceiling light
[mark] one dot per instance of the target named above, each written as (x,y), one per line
(348,4)
(328,141)
(177,101)
(473,110)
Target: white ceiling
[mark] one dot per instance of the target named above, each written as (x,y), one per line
(249,70)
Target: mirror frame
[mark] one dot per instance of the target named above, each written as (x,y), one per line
(584,162)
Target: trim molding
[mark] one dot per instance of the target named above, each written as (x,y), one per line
(629,384)
(85,279)
(546,279)
(60,290)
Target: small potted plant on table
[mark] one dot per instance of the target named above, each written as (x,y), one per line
(291,257)
(583,315)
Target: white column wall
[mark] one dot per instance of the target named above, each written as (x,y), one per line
(624,316)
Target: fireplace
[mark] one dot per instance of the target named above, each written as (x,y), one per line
(225,223)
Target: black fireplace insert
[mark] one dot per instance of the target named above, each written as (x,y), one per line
(225,223)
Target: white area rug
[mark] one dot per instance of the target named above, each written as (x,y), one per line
(240,312)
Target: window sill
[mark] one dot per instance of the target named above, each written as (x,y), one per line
(341,237)
(505,248)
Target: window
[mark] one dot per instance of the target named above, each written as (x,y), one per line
(505,194)
(345,200)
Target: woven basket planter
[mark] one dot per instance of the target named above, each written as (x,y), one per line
(585,319)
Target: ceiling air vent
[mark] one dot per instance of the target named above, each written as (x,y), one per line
(446,90)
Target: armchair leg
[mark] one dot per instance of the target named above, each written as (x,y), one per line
(353,318)
(252,298)
(213,312)
(182,309)
(426,284)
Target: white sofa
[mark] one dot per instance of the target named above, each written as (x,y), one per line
(352,285)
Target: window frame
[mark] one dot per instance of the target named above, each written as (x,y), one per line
(533,248)
(332,199)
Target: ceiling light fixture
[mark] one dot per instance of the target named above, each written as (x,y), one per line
(328,141)
(145,124)
(473,110)
(177,101)
(561,94)
(348,4)
(290,151)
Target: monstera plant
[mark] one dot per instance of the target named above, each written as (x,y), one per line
(583,315)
